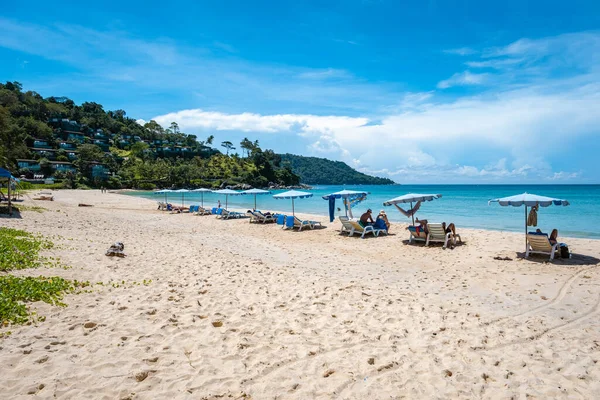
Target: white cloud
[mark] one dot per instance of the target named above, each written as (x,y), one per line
(463,79)
(328,73)
(251,122)
(141,122)
(463,51)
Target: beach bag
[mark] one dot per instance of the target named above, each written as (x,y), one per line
(564,251)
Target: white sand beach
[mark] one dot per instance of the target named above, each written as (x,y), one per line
(240,310)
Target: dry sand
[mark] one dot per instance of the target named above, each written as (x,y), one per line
(304,315)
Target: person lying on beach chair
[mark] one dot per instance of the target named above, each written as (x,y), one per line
(175,209)
(410,212)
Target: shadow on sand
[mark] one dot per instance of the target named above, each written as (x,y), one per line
(576,259)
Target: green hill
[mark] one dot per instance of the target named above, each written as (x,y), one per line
(321,171)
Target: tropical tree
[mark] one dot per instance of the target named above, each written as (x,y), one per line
(209,140)
(228,145)
(247,145)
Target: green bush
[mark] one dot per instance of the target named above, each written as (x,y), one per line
(114,182)
(20,249)
(146,186)
(16,291)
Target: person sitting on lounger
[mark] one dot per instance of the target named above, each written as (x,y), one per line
(553,237)
(366,219)
(451,228)
(382,215)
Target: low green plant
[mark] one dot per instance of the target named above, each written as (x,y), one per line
(15,292)
(31,208)
(21,249)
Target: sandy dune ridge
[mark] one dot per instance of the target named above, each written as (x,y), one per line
(244,310)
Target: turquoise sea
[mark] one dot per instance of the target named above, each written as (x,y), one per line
(465,205)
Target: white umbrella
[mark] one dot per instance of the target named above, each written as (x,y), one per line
(411,198)
(183,192)
(529,200)
(202,191)
(227,193)
(255,192)
(346,195)
(293,194)
(164,191)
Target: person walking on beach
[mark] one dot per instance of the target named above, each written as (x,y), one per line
(219,204)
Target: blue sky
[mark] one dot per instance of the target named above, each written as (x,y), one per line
(421,92)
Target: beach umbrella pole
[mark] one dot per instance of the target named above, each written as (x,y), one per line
(293,212)
(525,228)
(413,214)
(9,199)
(254,202)
(202,199)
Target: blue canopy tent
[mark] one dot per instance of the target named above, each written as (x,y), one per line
(349,197)
(227,193)
(293,194)
(256,192)
(411,198)
(5,175)
(529,200)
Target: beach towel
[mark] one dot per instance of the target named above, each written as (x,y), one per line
(331,208)
(532,217)
(380,224)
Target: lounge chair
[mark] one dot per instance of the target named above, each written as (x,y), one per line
(226,214)
(540,244)
(260,217)
(346,225)
(194,209)
(416,234)
(357,228)
(438,234)
(298,223)
(203,211)
(162,206)
(217,211)
(252,216)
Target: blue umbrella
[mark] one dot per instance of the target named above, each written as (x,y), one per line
(164,191)
(202,191)
(183,192)
(227,193)
(529,200)
(412,198)
(255,192)
(293,194)
(346,195)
